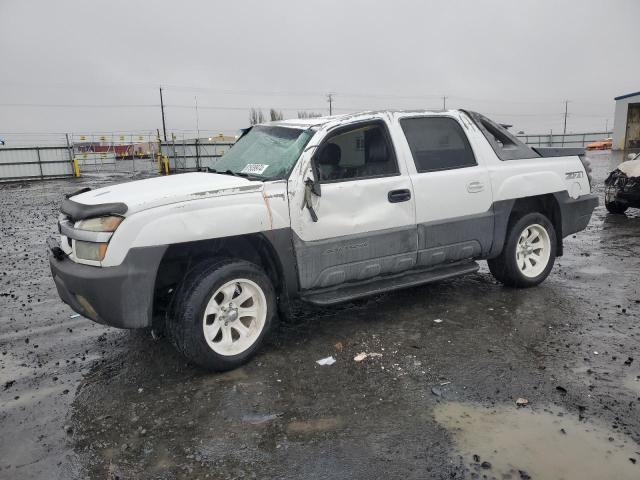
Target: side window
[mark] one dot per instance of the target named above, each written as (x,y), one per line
(359,152)
(437,143)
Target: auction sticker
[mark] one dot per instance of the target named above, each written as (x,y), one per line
(255,168)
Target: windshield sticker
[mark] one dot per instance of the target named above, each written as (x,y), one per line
(254,168)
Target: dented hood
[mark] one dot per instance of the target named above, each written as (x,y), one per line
(630,168)
(154,192)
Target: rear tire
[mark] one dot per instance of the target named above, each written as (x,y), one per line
(528,253)
(221,313)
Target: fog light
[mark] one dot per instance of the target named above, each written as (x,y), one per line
(90,250)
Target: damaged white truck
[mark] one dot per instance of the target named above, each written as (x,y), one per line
(325,210)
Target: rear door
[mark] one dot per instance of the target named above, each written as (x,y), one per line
(452,191)
(366,223)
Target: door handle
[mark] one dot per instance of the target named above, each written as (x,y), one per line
(396,196)
(475,187)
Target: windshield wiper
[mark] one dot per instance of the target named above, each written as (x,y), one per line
(235,174)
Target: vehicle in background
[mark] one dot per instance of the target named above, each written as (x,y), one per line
(622,186)
(325,210)
(600,144)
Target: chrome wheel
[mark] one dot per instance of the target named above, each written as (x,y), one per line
(533,250)
(234,317)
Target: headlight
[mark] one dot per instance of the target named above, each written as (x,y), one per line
(100,224)
(90,250)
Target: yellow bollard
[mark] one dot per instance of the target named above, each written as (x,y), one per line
(159,163)
(166,165)
(76,167)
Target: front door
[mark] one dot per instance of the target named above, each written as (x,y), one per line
(453,193)
(365,215)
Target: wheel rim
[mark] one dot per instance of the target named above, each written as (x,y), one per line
(533,251)
(610,194)
(234,317)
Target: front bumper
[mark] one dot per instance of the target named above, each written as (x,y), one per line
(120,296)
(626,189)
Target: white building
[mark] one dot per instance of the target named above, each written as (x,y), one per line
(626,122)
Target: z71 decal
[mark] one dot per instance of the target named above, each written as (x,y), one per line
(572,175)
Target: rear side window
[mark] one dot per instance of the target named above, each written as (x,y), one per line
(506,146)
(437,143)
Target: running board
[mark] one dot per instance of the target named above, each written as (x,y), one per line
(351,291)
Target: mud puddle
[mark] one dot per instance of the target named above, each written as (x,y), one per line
(524,443)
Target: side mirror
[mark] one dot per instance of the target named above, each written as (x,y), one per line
(311,187)
(314,184)
(631,156)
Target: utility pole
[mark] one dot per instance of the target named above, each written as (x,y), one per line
(566,109)
(197,118)
(330,100)
(164,127)
(444,102)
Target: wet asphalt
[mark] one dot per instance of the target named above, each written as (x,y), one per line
(80,400)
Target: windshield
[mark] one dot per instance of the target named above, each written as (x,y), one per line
(265,152)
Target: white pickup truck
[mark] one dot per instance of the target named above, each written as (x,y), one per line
(325,210)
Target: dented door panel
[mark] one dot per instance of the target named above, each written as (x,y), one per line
(359,233)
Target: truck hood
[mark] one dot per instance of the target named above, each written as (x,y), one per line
(154,192)
(630,168)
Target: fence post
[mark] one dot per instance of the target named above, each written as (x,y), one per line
(70,150)
(39,163)
(175,154)
(583,139)
(159,154)
(184,153)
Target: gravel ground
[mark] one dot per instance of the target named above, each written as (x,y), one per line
(79,400)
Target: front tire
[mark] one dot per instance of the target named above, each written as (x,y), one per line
(611,204)
(221,313)
(528,254)
(616,208)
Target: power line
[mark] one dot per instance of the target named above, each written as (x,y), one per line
(79,105)
(330,98)
(222,91)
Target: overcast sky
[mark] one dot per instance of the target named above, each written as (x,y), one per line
(87,65)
